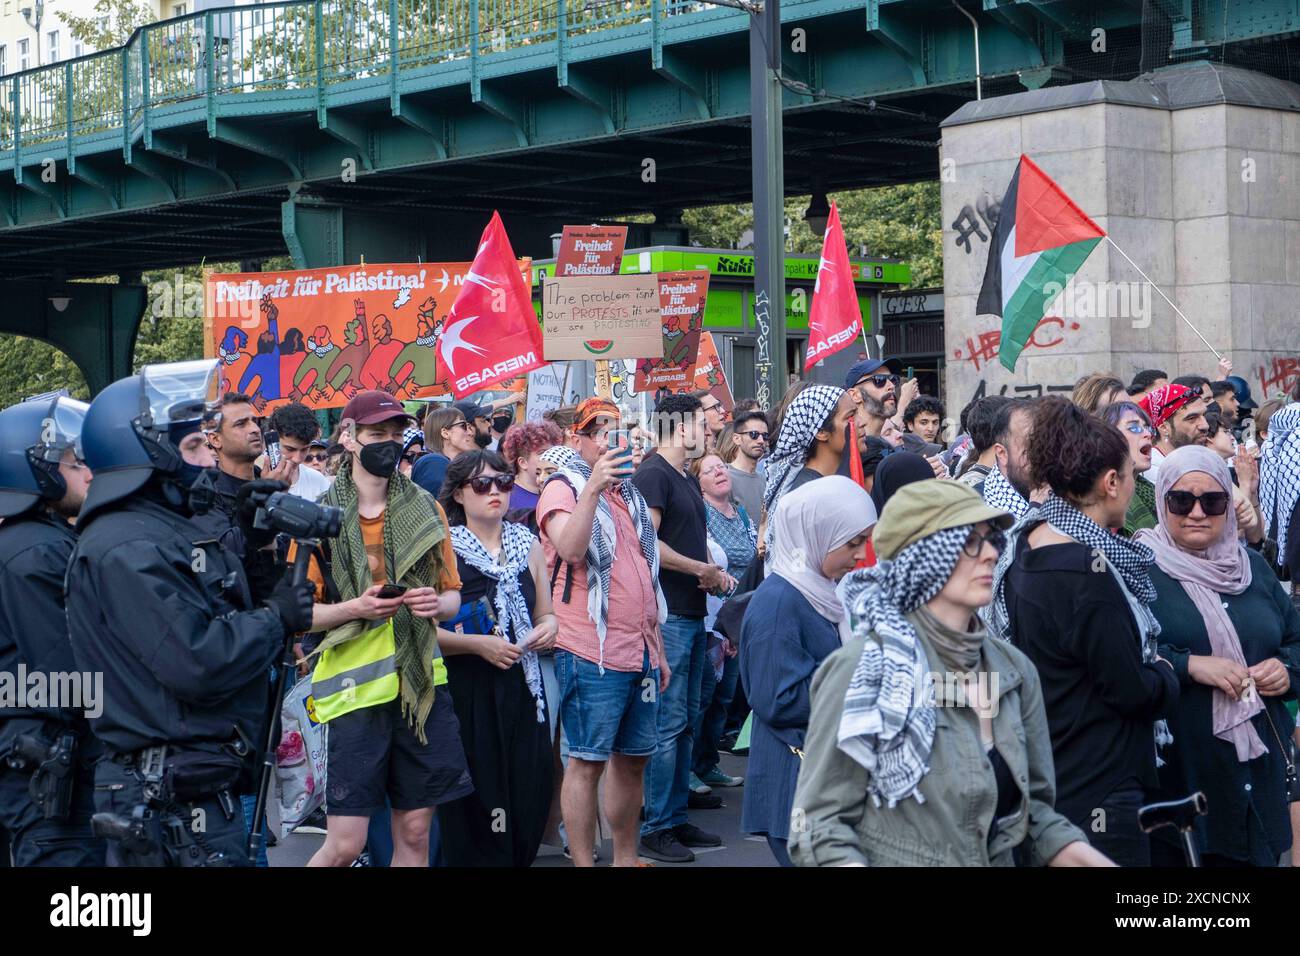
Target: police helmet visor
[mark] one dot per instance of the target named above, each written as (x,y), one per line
(179,392)
(61,430)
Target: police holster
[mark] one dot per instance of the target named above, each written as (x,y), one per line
(158,831)
(53,765)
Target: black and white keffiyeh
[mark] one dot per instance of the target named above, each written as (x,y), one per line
(511,607)
(803,419)
(888,721)
(600,550)
(1279,474)
(1001,494)
(1127,560)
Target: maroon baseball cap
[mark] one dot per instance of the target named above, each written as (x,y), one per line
(373,407)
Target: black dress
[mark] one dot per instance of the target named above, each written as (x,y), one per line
(509,753)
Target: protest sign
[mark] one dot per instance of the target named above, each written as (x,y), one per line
(602,318)
(590,251)
(554,385)
(681,308)
(709,373)
(319,336)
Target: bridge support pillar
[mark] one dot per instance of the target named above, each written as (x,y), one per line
(97,329)
(321,234)
(1191,171)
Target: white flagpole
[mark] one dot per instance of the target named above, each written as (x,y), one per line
(1217,353)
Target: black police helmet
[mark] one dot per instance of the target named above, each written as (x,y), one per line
(33,438)
(133,427)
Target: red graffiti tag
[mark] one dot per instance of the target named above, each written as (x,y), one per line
(1285,370)
(1047,334)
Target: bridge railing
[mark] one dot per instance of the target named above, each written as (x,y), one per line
(294,45)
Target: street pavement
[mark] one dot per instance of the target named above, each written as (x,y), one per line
(737,849)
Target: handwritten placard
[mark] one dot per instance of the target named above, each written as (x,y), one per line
(602,318)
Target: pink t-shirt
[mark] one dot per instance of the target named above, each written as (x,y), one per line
(633,614)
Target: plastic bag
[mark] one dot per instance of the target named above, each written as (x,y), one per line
(299,758)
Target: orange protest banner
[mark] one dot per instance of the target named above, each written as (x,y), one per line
(590,251)
(319,336)
(709,373)
(681,311)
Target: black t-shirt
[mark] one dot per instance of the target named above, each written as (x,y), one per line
(683,527)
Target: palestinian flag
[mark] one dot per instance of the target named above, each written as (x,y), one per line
(1041,240)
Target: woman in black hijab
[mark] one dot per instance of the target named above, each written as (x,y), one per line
(898,469)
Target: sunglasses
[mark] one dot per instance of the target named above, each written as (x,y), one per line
(1181,503)
(482,484)
(880,381)
(411,457)
(319,457)
(460,424)
(1137,428)
(974,542)
(754,435)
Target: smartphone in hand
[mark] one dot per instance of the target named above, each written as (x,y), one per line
(272,441)
(390,591)
(621,438)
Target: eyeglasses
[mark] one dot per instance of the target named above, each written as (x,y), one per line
(754,435)
(1181,503)
(711,408)
(1137,428)
(460,424)
(715,470)
(974,543)
(411,457)
(482,484)
(77,465)
(318,458)
(880,381)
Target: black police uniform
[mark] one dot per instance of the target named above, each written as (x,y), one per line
(34,551)
(166,614)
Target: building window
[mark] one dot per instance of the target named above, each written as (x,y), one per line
(53,46)
(78,48)
(4,59)
(178,10)
(24,59)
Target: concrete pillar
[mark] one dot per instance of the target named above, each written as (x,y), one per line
(1194,171)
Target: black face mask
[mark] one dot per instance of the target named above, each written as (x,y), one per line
(501,423)
(381,458)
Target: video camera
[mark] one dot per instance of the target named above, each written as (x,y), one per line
(296,517)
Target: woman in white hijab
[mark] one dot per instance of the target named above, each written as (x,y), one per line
(793,622)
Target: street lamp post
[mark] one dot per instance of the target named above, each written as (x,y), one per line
(767,152)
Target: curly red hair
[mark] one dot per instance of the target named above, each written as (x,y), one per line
(520,441)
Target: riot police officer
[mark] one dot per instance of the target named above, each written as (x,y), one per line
(166,614)
(47,753)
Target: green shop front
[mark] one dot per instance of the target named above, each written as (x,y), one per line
(729,308)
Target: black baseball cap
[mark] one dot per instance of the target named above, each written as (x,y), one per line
(869,367)
(472,410)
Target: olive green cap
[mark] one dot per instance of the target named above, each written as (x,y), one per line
(921,508)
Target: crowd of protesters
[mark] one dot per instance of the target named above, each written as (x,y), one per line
(987,641)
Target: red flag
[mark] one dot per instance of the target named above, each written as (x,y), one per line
(834,321)
(851,468)
(492,333)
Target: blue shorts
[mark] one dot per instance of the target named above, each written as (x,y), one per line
(616,712)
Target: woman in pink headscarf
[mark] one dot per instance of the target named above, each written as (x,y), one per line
(1233,638)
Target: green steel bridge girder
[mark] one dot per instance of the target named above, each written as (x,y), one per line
(689,70)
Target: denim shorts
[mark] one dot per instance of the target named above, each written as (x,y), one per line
(611,713)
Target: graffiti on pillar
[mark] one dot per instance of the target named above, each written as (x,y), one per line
(763,364)
(1278,374)
(983,349)
(1018,391)
(968,221)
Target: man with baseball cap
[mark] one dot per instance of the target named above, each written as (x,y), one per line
(1178,415)
(603,561)
(874,385)
(382,587)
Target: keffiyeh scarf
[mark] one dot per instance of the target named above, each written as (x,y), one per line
(803,419)
(1128,561)
(411,435)
(1001,494)
(511,607)
(600,550)
(1279,474)
(888,721)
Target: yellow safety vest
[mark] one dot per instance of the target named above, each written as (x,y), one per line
(361,673)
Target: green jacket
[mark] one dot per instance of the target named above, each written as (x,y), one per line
(834,822)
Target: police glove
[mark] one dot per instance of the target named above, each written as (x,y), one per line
(251,496)
(293,603)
